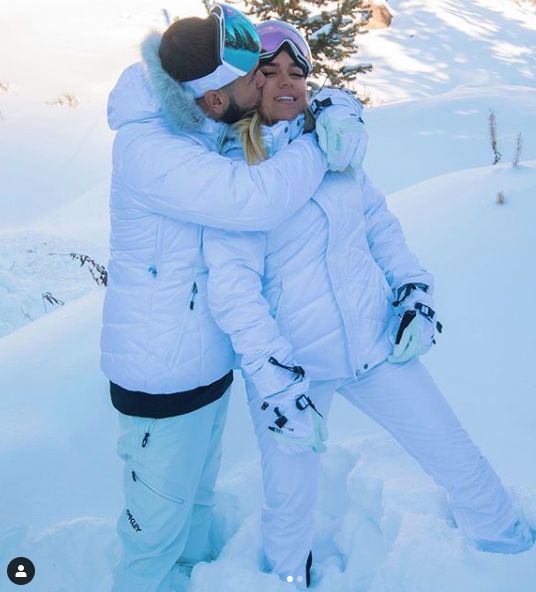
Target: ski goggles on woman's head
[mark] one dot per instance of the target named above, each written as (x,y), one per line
(239,50)
(277,35)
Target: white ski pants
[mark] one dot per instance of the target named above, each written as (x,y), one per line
(404,400)
(169,479)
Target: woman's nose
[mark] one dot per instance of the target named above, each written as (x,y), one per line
(284,80)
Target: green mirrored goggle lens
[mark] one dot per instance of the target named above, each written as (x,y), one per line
(241,46)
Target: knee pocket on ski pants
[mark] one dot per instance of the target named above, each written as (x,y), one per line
(156,513)
(164,454)
(157,483)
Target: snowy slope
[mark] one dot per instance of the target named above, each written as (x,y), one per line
(70,48)
(54,158)
(414,140)
(38,274)
(482,254)
(434,46)
(382,525)
(379,516)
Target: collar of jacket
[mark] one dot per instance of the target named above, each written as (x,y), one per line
(274,136)
(178,105)
(282,133)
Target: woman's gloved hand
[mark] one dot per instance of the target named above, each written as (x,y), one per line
(416,324)
(339,127)
(294,420)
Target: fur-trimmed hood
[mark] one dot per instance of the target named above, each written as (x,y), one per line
(145,91)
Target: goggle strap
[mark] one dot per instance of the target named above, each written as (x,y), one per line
(217,13)
(224,74)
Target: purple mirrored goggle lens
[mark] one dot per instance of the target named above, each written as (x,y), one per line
(273,34)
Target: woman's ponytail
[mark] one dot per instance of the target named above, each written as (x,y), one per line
(249,130)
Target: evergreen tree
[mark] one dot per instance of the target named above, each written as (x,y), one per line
(329,27)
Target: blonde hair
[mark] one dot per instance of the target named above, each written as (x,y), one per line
(249,130)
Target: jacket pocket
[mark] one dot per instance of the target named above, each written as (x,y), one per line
(176,348)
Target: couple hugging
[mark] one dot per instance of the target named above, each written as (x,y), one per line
(246,234)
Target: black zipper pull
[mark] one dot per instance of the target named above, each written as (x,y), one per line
(281,419)
(194,292)
(296,369)
(145,440)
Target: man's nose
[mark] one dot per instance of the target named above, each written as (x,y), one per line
(260,79)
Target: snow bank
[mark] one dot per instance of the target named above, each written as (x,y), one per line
(382,525)
(434,46)
(38,274)
(416,140)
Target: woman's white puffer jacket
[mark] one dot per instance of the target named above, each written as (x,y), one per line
(317,290)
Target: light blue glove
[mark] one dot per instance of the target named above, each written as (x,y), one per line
(294,420)
(340,128)
(414,330)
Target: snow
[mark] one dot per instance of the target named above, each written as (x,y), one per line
(435,46)
(411,141)
(382,525)
(38,273)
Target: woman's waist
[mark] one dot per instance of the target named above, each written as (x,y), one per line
(330,355)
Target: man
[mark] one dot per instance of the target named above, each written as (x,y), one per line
(169,365)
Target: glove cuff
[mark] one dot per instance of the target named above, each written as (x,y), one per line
(404,291)
(327,97)
(405,294)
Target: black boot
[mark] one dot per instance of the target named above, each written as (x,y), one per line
(308,566)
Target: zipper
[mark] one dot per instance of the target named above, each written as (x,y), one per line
(298,370)
(136,477)
(352,341)
(199,263)
(193,294)
(147,434)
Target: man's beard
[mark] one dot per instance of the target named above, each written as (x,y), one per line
(235,113)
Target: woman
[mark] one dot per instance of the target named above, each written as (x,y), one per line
(333,301)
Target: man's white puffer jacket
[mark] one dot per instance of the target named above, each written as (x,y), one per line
(168,179)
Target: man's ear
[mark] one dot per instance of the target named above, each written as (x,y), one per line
(215,103)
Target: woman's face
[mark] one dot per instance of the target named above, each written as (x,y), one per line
(284,90)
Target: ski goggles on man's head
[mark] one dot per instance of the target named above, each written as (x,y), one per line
(239,50)
(277,35)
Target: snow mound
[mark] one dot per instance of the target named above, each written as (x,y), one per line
(382,525)
(434,46)
(481,254)
(416,140)
(38,274)
(83,219)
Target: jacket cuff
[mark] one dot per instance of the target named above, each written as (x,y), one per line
(271,378)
